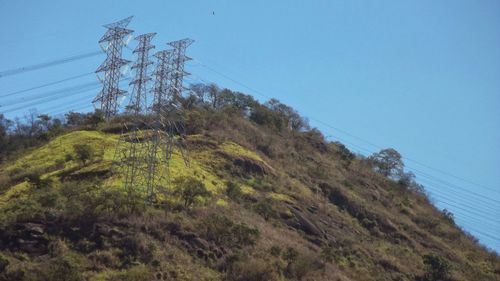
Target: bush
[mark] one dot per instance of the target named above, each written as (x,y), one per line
(233,191)
(298,266)
(252,270)
(437,268)
(135,273)
(448,216)
(265,209)
(344,153)
(34,178)
(4,262)
(65,267)
(84,152)
(190,189)
(221,230)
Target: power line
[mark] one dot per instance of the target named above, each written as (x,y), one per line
(338,129)
(79,91)
(374,145)
(47,64)
(328,125)
(46,85)
(51,93)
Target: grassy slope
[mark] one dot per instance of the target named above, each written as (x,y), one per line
(375,228)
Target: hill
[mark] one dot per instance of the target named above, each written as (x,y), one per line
(261,197)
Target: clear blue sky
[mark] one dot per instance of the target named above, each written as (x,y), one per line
(420,76)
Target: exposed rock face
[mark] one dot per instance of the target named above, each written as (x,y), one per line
(305,224)
(27,237)
(250,166)
(199,246)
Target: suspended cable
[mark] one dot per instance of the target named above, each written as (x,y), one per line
(340,130)
(47,64)
(46,85)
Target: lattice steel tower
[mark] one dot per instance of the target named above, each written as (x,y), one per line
(178,60)
(113,40)
(138,99)
(162,79)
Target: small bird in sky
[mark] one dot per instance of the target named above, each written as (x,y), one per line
(213,13)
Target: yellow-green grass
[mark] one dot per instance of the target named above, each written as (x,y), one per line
(51,160)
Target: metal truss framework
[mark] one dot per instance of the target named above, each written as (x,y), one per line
(161,90)
(113,44)
(178,61)
(147,143)
(138,100)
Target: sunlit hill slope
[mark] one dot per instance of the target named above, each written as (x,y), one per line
(255,195)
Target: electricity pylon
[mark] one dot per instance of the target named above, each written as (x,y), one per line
(138,99)
(178,60)
(112,42)
(162,78)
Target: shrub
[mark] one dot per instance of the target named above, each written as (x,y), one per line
(328,252)
(252,270)
(34,178)
(135,273)
(190,189)
(344,153)
(265,209)
(65,267)
(244,235)
(448,216)
(84,152)
(437,268)
(298,266)
(233,191)
(221,230)
(275,251)
(4,262)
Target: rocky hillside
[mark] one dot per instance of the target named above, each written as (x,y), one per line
(258,199)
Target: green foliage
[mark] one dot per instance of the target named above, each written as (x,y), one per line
(65,265)
(135,273)
(298,265)
(437,268)
(328,252)
(84,152)
(233,191)
(4,262)
(344,153)
(265,209)
(387,162)
(252,270)
(448,216)
(221,230)
(259,184)
(190,189)
(35,179)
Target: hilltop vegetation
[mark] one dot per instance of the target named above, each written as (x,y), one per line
(263,197)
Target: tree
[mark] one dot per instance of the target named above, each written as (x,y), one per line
(84,152)
(94,118)
(190,189)
(290,116)
(4,129)
(213,94)
(44,121)
(74,118)
(387,162)
(448,216)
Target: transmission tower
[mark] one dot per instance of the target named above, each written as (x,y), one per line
(161,88)
(138,100)
(178,60)
(113,41)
